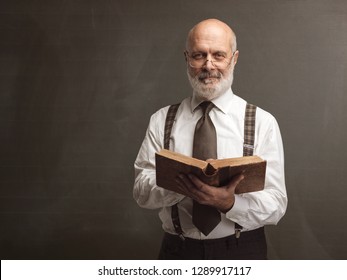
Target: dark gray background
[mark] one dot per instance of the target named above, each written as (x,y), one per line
(80,79)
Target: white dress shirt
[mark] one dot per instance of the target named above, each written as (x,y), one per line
(251,210)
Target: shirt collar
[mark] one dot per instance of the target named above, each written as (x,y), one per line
(222,102)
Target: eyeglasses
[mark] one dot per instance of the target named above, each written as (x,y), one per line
(219,59)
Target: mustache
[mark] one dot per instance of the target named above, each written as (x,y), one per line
(207,74)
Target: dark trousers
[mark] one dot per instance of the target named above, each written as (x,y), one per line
(251,245)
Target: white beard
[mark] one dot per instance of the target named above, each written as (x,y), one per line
(205,91)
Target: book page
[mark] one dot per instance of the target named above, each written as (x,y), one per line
(218,163)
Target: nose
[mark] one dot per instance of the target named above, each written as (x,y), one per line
(208,64)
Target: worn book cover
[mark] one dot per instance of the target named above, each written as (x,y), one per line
(216,172)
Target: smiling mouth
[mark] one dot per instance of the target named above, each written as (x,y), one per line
(209,80)
(209,77)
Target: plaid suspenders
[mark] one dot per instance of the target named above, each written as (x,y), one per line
(248,143)
(249,127)
(170,118)
(248,147)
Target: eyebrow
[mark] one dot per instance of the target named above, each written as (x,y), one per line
(215,52)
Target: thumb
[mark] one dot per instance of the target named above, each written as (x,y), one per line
(235,181)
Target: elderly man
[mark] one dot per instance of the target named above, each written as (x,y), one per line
(209,222)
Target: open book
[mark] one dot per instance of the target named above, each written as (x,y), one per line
(216,172)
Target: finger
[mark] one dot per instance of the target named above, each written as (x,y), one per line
(187,186)
(200,185)
(235,181)
(204,190)
(195,187)
(209,195)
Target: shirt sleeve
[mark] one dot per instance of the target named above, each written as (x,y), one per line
(266,207)
(146,193)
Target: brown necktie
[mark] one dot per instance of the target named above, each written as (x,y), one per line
(205,218)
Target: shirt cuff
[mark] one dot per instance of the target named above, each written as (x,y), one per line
(239,210)
(173,198)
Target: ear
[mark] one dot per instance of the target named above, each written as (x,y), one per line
(185,56)
(236,56)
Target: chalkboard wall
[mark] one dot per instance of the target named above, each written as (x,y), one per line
(80,79)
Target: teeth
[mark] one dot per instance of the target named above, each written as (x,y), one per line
(208,81)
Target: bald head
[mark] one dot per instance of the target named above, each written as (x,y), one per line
(211,30)
(211,57)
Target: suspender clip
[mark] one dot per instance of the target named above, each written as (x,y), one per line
(237,233)
(247,146)
(238,229)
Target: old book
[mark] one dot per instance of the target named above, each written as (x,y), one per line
(216,172)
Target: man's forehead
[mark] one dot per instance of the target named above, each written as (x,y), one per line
(210,31)
(211,34)
(207,40)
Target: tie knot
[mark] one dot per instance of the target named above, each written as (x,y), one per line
(206,107)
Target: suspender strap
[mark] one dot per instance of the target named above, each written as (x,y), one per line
(248,148)
(249,127)
(248,143)
(170,118)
